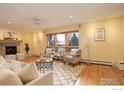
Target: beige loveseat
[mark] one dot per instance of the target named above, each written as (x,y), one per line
(20,73)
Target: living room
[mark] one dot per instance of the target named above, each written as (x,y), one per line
(98,41)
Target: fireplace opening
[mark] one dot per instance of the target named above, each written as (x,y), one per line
(11,50)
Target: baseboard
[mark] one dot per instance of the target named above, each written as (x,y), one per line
(97,62)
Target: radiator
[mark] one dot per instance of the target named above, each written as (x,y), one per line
(96,62)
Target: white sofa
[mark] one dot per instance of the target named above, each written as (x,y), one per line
(20,73)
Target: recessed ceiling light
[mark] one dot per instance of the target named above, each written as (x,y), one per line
(31,27)
(71,17)
(9,22)
(91,19)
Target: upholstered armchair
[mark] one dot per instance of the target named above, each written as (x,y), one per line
(73,57)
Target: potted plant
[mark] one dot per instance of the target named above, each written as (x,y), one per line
(27,48)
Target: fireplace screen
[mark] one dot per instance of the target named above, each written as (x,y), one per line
(11,50)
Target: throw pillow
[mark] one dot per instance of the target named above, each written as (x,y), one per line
(15,66)
(28,73)
(2,60)
(8,77)
(2,66)
(74,51)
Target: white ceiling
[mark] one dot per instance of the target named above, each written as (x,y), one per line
(53,15)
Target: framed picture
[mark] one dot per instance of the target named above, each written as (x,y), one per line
(10,36)
(100,34)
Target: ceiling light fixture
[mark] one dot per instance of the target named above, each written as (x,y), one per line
(91,19)
(71,17)
(37,21)
(9,22)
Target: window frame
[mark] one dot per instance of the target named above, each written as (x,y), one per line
(68,40)
(64,41)
(53,41)
(66,46)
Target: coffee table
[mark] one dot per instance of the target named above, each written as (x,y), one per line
(58,57)
(44,64)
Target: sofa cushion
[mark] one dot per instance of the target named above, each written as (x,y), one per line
(74,51)
(8,77)
(28,73)
(2,60)
(2,66)
(69,56)
(15,66)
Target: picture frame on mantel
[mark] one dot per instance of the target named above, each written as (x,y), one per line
(99,34)
(10,36)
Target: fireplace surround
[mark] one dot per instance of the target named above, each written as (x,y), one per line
(6,43)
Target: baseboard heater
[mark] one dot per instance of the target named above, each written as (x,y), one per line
(97,62)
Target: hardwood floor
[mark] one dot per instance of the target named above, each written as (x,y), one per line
(95,74)
(101,75)
(30,59)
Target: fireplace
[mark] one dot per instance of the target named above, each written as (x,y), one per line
(11,50)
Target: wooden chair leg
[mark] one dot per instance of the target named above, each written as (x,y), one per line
(79,62)
(73,65)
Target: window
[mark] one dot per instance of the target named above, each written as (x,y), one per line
(63,41)
(73,39)
(51,40)
(60,39)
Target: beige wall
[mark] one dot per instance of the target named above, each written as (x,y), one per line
(35,40)
(112,49)
(39,40)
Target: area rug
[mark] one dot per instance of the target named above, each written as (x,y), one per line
(65,74)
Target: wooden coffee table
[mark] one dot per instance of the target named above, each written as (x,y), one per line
(43,64)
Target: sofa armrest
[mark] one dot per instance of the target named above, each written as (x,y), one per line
(44,79)
(22,64)
(66,54)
